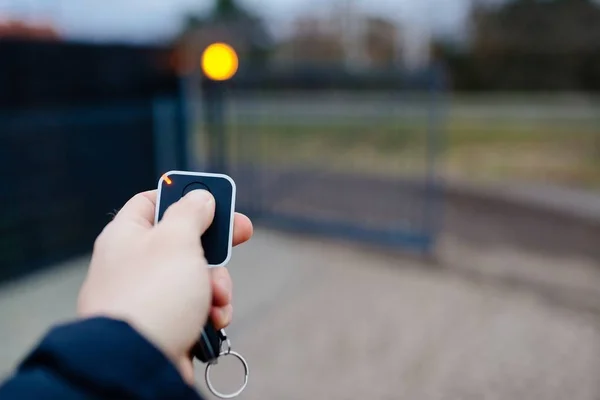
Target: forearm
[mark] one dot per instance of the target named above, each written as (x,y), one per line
(97,358)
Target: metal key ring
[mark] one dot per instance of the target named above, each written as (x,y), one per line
(240,390)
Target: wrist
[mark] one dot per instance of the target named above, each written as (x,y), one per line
(109,356)
(143,328)
(178,359)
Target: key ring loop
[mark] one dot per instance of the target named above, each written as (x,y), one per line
(240,390)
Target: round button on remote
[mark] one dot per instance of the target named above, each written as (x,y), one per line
(195,186)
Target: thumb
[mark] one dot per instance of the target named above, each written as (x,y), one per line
(191,215)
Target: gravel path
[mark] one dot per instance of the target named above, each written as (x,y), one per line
(328,320)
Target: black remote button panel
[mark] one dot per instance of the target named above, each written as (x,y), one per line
(217,240)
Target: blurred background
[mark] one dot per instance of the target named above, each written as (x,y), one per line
(423,176)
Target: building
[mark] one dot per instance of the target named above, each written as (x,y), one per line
(20,30)
(344,37)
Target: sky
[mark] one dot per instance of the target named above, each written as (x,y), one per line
(151,20)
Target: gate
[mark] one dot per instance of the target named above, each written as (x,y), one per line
(349,163)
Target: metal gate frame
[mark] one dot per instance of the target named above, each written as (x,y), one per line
(210,105)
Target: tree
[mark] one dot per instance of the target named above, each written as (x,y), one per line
(529,45)
(229,22)
(228,9)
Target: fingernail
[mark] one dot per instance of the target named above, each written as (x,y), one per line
(200,195)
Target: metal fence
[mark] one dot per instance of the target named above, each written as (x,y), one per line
(353,164)
(36,74)
(80,132)
(64,171)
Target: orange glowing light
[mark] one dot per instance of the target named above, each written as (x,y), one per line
(219,62)
(167,179)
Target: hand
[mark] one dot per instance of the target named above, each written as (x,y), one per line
(156,277)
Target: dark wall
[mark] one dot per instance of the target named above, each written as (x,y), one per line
(76,142)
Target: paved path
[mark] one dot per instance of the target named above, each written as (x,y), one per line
(332,321)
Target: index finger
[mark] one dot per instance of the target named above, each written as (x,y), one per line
(139,209)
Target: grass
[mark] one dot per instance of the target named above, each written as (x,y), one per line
(548,152)
(545,149)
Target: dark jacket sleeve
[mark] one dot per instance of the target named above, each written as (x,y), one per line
(96,359)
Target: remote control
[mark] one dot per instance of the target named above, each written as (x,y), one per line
(216,241)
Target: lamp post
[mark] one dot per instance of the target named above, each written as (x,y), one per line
(219,64)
